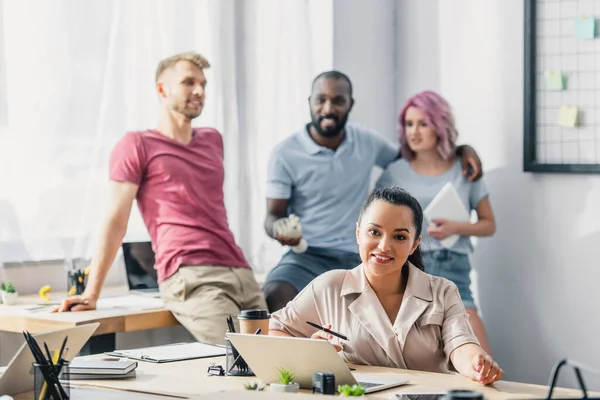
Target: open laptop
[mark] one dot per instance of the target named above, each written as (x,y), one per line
(139,268)
(17,377)
(265,355)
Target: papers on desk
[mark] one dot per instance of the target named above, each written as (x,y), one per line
(447,205)
(172,352)
(129,301)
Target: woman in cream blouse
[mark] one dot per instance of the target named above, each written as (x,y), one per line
(393,313)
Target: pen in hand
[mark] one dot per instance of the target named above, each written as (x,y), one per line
(327,330)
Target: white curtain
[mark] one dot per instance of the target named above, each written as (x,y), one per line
(75,75)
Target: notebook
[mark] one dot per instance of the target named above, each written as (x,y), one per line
(447,205)
(101,367)
(172,352)
(74,377)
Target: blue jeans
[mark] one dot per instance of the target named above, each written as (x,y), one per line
(300,269)
(452,266)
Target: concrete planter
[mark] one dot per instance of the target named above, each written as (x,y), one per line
(291,388)
(9,298)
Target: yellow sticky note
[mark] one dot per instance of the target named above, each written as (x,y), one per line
(567,116)
(554,80)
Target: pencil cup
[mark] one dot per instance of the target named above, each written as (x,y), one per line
(234,363)
(51,382)
(76,281)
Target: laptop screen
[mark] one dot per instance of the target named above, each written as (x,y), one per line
(139,265)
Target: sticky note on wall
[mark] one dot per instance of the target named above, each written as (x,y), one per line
(567,116)
(585,28)
(554,80)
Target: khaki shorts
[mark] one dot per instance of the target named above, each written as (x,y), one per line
(201,298)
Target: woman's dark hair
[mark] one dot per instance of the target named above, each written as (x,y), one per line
(400,197)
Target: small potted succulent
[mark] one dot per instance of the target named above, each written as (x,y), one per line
(286,382)
(10,295)
(351,391)
(254,386)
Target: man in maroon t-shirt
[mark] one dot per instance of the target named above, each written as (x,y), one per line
(175,172)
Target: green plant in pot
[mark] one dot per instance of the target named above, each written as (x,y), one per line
(285,382)
(351,390)
(254,386)
(9,295)
(1,291)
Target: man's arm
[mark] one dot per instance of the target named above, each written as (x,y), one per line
(111,237)
(277,209)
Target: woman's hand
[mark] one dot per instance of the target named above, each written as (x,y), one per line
(442,230)
(486,370)
(326,336)
(473,362)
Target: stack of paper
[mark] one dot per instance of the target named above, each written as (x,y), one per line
(101,369)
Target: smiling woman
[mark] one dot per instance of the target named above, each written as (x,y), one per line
(393,313)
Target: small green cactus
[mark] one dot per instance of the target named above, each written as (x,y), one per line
(286,376)
(9,287)
(254,386)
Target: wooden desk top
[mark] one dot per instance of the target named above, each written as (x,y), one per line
(16,318)
(188,379)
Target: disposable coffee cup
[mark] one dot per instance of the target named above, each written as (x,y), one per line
(252,320)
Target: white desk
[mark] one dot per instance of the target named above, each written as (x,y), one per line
(188,379)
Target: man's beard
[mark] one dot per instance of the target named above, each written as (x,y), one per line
(333,131)
(189,114)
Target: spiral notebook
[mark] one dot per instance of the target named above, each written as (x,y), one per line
(171,352)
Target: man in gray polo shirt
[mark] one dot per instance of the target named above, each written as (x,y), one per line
(321,174)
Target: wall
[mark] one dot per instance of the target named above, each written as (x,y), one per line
(537,277)
(363,41)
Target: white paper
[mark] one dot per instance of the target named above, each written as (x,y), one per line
(447,205)
(176,351)
(131,301)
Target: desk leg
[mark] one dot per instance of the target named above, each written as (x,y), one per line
(99,344)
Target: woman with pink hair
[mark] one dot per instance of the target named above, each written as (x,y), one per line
(428,139)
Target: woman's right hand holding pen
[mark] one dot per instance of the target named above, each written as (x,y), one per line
(326,336)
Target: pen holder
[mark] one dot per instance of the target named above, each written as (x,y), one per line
(51,382)
(76,281)
(234,363)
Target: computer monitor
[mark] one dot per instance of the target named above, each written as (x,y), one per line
(139,266)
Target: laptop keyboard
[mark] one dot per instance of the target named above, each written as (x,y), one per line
(368,385)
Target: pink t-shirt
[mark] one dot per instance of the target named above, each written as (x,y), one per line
(180,197)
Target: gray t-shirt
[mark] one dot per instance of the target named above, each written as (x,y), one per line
(326,188)
(425,188)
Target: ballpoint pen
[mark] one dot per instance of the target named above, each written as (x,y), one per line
(327,330)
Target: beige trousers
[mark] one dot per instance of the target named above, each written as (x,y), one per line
(201,298)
